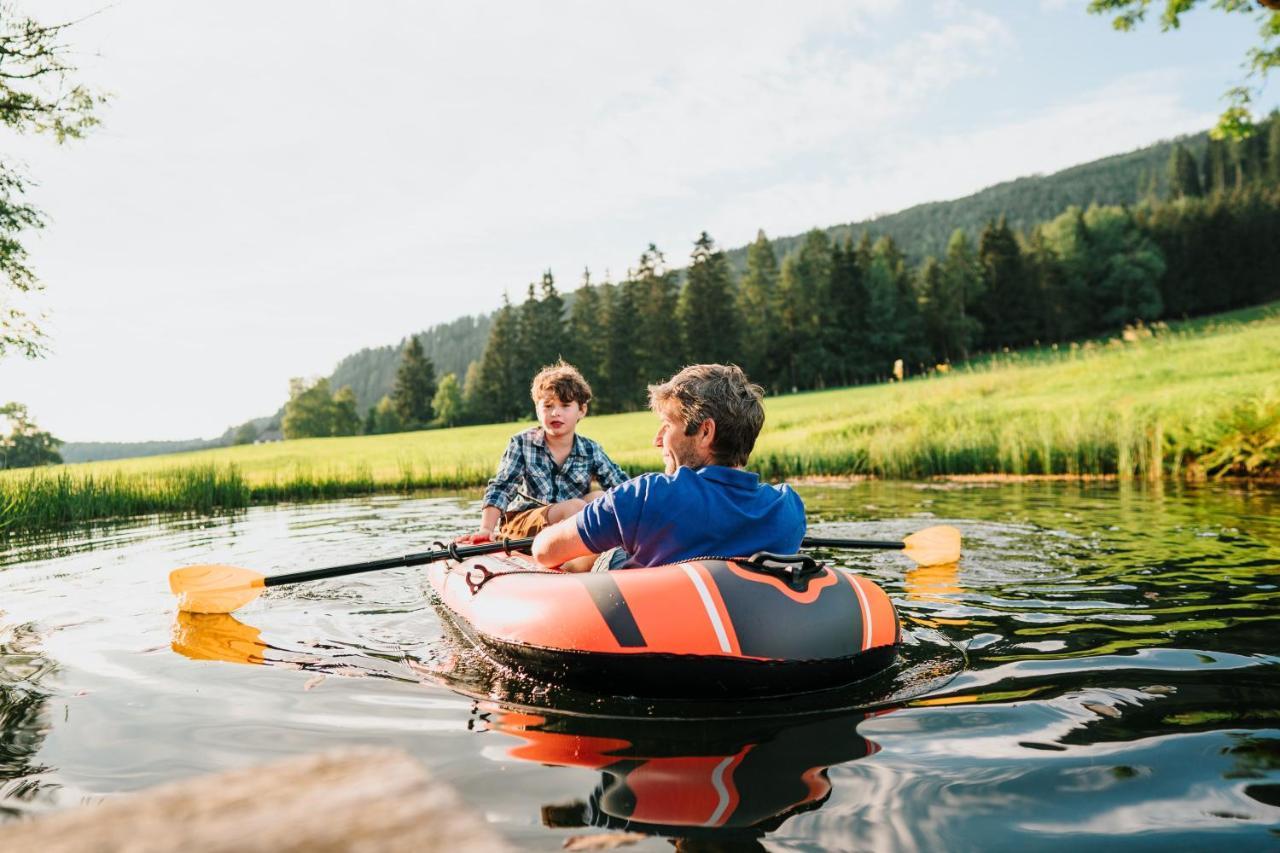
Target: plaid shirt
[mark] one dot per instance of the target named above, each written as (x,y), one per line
(528,475)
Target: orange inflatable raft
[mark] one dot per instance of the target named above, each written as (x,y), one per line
(766,626)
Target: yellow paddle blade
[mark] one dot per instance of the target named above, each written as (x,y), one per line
(934,546)
(213,588)
(217,636)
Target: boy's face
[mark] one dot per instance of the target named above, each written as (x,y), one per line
(557,417)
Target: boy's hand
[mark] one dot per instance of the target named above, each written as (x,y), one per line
(478,538)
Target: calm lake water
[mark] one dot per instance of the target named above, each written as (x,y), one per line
(1101,668)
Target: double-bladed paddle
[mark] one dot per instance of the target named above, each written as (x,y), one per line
(222,589)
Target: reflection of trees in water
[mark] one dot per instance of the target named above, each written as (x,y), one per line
(23,717)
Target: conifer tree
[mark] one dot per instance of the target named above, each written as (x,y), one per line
(707,312)
(1184,174)
(884,342)
(803,296)
(845,327)
(963,273)
(585,332)
(1008,313)
(623,382)
(1215,169)
(656,339)
(414,386)
(909,324)
(542,325)
(499,392)
(757,295)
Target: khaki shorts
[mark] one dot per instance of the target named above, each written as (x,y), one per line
(527,522)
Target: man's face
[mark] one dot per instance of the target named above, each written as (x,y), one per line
(557,417)
(677,448)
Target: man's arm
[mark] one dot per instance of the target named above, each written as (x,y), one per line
(559,543)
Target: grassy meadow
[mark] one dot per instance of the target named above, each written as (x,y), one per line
(1198,399)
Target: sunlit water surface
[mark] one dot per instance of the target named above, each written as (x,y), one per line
(1101,667)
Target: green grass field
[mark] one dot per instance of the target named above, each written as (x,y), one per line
(1200,398)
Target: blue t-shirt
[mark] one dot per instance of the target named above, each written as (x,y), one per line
(709,512)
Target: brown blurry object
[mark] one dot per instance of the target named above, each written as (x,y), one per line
(352,799)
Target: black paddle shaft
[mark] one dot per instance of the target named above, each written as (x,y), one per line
(877,544)
(453,552)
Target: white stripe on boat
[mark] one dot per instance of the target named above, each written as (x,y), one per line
(866,613)
(710,606)
(717,779)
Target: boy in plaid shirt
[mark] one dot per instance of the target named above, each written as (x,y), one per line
(545,474)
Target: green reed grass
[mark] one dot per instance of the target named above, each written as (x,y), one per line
(1198,399)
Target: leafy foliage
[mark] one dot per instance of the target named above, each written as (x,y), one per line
(1236,122)
(37,93)
(26,445)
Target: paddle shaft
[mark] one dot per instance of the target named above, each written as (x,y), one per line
(467,551)
(462,552)
(876,544)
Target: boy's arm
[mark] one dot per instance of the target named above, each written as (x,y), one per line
(502,488)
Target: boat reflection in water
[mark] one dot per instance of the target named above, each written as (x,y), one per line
(725,780)
(702,775)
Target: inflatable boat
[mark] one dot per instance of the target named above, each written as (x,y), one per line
(709,628)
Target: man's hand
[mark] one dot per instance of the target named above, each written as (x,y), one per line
(559,543)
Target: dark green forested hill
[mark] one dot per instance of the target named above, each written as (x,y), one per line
(924,229)
(450,346)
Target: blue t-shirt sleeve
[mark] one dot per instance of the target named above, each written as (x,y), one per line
(612,521)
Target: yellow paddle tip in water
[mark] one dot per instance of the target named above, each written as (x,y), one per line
(934,546)
(214,588)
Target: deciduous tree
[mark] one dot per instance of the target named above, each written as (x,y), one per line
(37,93)
(25,445)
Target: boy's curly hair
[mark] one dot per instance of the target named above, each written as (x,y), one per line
(722,393)
(563,381)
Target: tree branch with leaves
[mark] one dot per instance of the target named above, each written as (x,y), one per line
(1236,121)
(38,93)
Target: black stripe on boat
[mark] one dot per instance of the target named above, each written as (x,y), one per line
(771,625)
(613,607)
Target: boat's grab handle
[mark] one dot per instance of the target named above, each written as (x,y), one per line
(795,570)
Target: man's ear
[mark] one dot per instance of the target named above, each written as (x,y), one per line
(707,434)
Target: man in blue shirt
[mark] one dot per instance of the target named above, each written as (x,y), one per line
(704,504)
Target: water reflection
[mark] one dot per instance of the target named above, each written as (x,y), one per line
(1100,667)
(728,781)
(24,716)
(217,636)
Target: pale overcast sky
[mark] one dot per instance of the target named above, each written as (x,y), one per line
(279,183)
